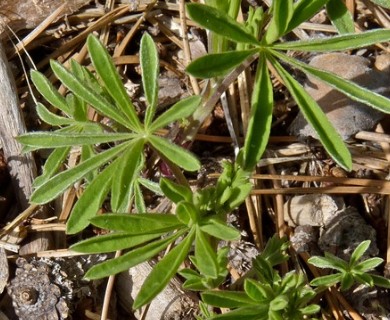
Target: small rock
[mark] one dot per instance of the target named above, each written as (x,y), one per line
(346,115)
(311,209)
(343,232)
(305,239)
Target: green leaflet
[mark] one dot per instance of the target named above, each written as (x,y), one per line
(205,255)
(220,230)
(113,84)
(259,126)
(140,223)
(326,281)
(131,259)
(83,91)
(175,192)
(331,140)
(150,67)
(174,153)
(340,16)
(91,200)
(187,213)
(112,242)
(47,90)
(180,110)
(367,265)
(303,11)
(220,23)
(42,140)
(359,252)
(347,87)
(282,12)
(218,64)
(163,271)
(51,118)
(127,171)
(337,43)
(139,201)
(59,183)
(151,185)
(52,164)
(330,261)
(227,299)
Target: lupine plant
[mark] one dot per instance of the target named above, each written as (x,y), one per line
(266,295)
(349,273)
(113,156)
(107,151)
(247,40)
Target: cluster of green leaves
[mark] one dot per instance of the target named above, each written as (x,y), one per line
(267,295)
(248,39)
(111,155)
(348,273)
(200,218)
(112,159)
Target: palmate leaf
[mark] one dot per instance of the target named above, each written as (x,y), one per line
(113,84)
(112,242)
(259,126)
(83,91)
(328,136)
(340,16)
(59,183)
(217,64)
(42,140)
(91,200)
(219,22)
(350,89)
(47,90)
(132,258)
(337,43)
(179,110)
(163,271)
(150,67)
(174,153)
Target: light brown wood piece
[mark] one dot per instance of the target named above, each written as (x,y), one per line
(21,166)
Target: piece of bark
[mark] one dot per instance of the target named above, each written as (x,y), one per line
(3,270)
(21,14)
(21,166)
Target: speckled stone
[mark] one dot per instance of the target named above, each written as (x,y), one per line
(347,116)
